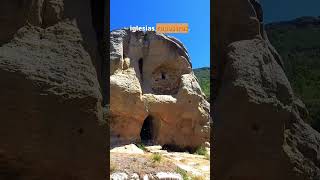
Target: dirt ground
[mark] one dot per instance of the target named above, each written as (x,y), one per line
(139,163)
(143,163)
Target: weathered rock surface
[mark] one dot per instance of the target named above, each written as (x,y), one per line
(131,149)
(51,113)
(259,130)
(151,81)
(119,176)
(164,176)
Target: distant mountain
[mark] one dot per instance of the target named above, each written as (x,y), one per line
(298,42)
(301,22)
(203,75)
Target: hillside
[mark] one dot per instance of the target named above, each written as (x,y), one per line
(298,42)
(203,75)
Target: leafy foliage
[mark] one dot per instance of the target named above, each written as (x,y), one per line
(141,146)
(201,151)
(203,76)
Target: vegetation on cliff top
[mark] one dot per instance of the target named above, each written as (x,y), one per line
(298,43)
(203,76)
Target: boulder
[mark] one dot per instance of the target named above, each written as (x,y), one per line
(154,94)
(119,176)
(164,176)
(129,149)
(258,129)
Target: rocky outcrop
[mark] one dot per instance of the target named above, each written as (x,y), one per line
(258,122)
(51,105)
(154,93)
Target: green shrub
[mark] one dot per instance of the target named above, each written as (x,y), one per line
(201,151)
(141,146)
(203,76)
(156,157)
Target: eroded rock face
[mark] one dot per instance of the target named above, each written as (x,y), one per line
(51,113)
(259,128)
(154,93)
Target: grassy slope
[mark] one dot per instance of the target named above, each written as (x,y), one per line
(203,75)
(299,47)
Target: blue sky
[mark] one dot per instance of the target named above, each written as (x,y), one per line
(145,12)
(281,10)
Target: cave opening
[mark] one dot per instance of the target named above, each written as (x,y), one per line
(146,133)
(141,67)
(163,76)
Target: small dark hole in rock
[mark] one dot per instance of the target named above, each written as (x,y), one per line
(255,128)
(118,135)
(141,67)
(163,76)
(80,131)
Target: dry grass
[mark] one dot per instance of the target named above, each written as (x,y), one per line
(156,157)
(141,163)
(198,178)
(186,176)
(183,160)
(183,173)
(207,156)
(113,168)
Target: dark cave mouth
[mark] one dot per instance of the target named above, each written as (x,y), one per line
(147,130)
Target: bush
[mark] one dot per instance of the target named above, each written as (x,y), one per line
(141,146)
(201,151)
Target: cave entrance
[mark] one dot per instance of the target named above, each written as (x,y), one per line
(141,68)
(147,131)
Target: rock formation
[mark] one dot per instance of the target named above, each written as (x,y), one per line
(259,128)
(154,93)
(51,111)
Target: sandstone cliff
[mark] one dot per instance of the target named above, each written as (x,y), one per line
(52,124)
(259,128)
(154,93)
